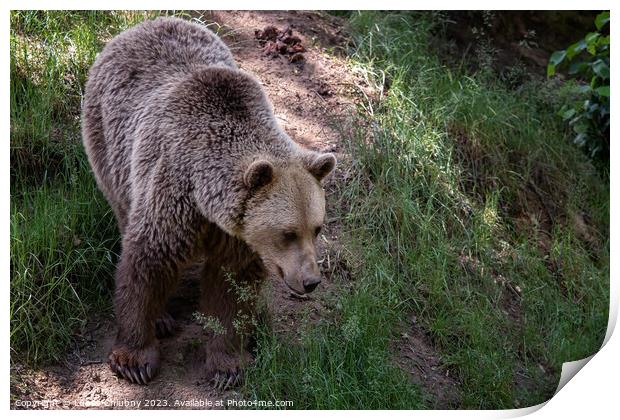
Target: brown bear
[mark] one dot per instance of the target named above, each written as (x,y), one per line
(188,153)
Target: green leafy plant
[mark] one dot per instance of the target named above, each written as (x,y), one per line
(589,62)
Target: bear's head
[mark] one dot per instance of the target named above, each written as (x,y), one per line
(284,219)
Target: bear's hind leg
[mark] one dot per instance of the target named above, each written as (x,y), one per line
(165,326)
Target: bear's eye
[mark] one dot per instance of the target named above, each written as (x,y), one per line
(289,236)
(317,231)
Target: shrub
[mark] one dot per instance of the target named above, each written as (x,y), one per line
(589,61)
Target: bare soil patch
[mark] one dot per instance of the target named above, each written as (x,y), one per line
(417,356)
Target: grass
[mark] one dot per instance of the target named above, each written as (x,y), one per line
(62,254)
(340,362)
(467,207)
(452,163)
(63,234)
(473,189)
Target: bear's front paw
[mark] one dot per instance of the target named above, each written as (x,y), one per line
(165,326)
(136,365)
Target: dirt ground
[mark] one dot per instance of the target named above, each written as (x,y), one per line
(309,94)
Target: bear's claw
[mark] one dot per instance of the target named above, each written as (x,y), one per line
(136,375)
(223,381)
(136,366)
(143,375)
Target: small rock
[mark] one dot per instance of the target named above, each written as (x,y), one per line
(275,42)
(324,90)
(290,40)
(296,57)
(270,49)
(269,33)
(296,48)
(281,47)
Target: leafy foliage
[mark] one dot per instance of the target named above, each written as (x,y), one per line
(589,61)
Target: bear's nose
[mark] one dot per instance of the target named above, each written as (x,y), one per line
(311,284)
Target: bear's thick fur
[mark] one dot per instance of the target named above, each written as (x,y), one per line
(187,151)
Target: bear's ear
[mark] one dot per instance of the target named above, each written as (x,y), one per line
(258,174)
(322,165)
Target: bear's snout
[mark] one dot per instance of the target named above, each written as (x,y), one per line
(301,278)
(310,275)
(311,283)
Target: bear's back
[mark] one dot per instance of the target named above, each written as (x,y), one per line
(163,47)
(128,74)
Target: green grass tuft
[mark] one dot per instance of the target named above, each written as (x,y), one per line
(62,242)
